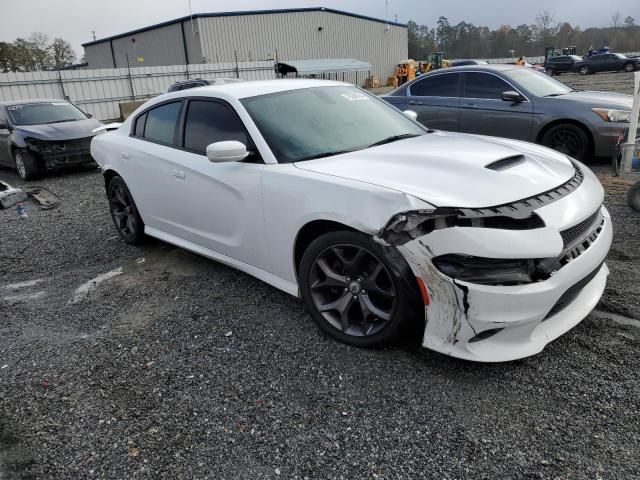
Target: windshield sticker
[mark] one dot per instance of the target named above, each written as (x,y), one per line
(15,107)
(355,96)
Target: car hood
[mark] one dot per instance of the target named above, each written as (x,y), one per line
(599,99)
(59,131)
(450,169)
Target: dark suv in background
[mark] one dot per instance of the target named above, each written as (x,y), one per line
(561,64)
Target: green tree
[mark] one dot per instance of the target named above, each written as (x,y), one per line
(62,53)
(6,57)
(41,51)
(443,34)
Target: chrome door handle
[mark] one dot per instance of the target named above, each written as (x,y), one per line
(414,102)
(125,155)
(470,105)
(178,174)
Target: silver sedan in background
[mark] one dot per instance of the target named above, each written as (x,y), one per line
(519,103)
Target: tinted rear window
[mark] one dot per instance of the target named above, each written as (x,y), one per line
(442,85)
(161,123)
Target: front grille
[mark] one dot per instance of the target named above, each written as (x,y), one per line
(572,236)
(77,146)
(78,143)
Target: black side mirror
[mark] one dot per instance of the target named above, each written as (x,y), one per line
(88,115)
(511,96)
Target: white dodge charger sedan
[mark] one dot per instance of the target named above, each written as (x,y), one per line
(328,193)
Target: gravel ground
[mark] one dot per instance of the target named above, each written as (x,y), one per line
(179,367)
(619,82)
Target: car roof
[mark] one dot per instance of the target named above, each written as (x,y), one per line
(8,103)
(191,80)
(254,88)
(495,67)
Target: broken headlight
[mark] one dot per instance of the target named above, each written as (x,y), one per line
(487,271)
(404,227)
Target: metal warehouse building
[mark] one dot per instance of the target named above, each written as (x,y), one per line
(292,34)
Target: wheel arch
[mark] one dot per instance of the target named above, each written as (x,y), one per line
(570,121)
(312,230)
(108,175)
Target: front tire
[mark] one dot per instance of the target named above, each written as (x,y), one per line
(124,212)
(26,164)
(584,70)
(550,72)
(629,67)
(356,290)
(569,139)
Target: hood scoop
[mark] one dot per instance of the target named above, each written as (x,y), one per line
(505,163)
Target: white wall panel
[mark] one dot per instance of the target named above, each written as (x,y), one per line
(99,92)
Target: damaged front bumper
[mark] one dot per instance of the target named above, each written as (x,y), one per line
(62,154)
(502,322)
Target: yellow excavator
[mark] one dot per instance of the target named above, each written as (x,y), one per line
(407,70)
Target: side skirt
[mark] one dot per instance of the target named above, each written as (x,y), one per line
(279,283)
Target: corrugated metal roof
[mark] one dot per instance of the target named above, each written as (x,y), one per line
(324,65)
(236,14)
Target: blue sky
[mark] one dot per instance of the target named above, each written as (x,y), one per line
(74,20)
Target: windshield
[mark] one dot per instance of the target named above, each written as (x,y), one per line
(322,121)
(39,113)
(537,83)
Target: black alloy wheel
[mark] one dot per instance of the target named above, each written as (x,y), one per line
(584,70)
(568,139)
(357,292)
(124,212)
(628,67)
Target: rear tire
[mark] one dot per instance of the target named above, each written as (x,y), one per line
(633,197)
(356,290)
(124,212)
(584,70)
(26,164)
(569,139)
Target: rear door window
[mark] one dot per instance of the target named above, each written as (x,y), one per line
(138,131)
(161,122)
(441,85)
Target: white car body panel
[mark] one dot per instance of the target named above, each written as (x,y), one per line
(248,216)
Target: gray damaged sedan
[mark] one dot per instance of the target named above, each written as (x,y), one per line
(519,103)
